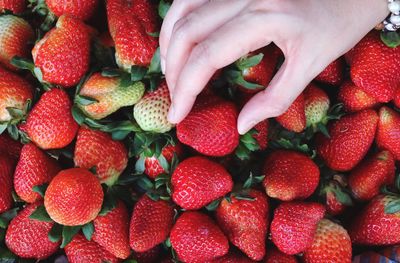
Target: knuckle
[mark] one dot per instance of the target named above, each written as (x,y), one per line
(180,30)
(202,53)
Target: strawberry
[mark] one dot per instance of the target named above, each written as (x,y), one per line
(130,23)
(28,238)
(355,98)
(316,105)
(374,67)
(14,93)
(111,94)
(337,199)
(50,124)
(15,37)
(34,168)
(153,167)
(150,256)
(6,173)
(294,225)
(210,128)
(294,119)
(276,256)
(196,238)
(245,223)
(81,250)
(62,55)
(370,175)
(377,225)
(261,134)
(81,9)
(198,181)
(15,6)
(290,175)
(150,224)
(97,149)
(9,146)
(387,136)
(232,257)
(350,139)
(111,231)
(331,244)
(152,110)
(396,99)
(74,197)
(333,74)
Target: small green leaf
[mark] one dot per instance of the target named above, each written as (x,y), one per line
(213,205)
(78,115)
(22,63)
(111,73)
(249,62)
(139,166)
(153,196)
(3,127)
(6,217)
(85,100)
(88,230)
(168,242)
(163,162)
(391,39)
(110,202)
(41,214)
(343,197)
(145,183)
(244,197)
(55,233)
(68,234)
(392,207)
(236,77)
(155,65)
(93,169)
(40,189)
(38,74)
(13,132)
(153,34)
(163,8)
(15,113)
(138,73)
(323,129)
(119,135)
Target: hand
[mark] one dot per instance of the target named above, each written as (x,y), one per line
(200,36)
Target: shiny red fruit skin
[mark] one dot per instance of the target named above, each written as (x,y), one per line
(388,133)
(7,166)
(153,167)
(28,238)
(232,257)
(81,9)
(34,168)
(333,206)
(262,134)
(355,99)
(350,139)
(294,119)
(111,231)
(9,146)
(196,237)
(150,224)
(276,256)
(290,175)
(333,74)
(50,124)
(294,224)
(198,181)
(16,6)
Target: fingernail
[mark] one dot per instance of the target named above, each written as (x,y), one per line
(171,114)
(163,65)
(243,128)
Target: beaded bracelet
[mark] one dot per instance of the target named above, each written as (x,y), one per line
(391,24)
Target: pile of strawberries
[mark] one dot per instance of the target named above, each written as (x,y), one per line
(91,171)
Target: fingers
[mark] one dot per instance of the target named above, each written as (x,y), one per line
(178,9)
(215,52)
(286,86)
(194,28)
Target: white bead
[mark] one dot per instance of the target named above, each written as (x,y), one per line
(390,27)
(395,19)
(394,7)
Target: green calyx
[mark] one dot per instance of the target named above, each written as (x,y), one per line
(391,39)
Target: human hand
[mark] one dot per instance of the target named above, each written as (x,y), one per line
(199,37)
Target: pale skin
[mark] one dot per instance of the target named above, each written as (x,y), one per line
(199,37)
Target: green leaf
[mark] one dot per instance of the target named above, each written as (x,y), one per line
(41,214)
(153,34)
(155,65)
(163,162)
(78,115)
(244,197)
(6,256)
(40,189)
(6,217)
(145,183)
(392,207)
(213,205)
(236,77)
(3,127)
(111,73)
(55,233)
(153,196)
(109,203)
(85,100)
(88,230)
(38,74)
(323,129)
(22,63)
(343,197)
(139,166)
(119,135)
(13,131)
(93,169)
(391,39)
(138,73)
(15,113)
(163,8)
(68,234)
(242,152)
(248,62)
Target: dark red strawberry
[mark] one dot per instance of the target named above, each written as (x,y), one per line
(294,119)
(81,9)
(354,98)
(198,181)
(388,133)
(7,165)
(153,167)
(336,196)
(232,257)
(333,74)
(150,256)
(10,146)
(276,256)
(16,6)
(396,99)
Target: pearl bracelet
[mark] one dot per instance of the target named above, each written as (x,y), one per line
(392,22)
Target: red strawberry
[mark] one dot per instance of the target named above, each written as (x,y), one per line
(294,119)
(153,167)
(350,139)
(374,67)
(245,223)
(15,6)
(15,35)
(130,23)
(34,168)
(333,74)
(6,187)
(336,197)
(9,146)
(81,9)
(62,55)
(80,250)
(370,175)
(396,99)
(150,224)
(198,181)
(276,256)
(333,205)
(98,149)
(294,225)
(150,256)
(74,197)
(290,175)
(331,244)
(196,238)
(376,227)
(388,133)
(261,134)
(316,105)
(28,238)
(232,257)
(14,93)
(210,128)
(50,124)
(111,231)
(354,98)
